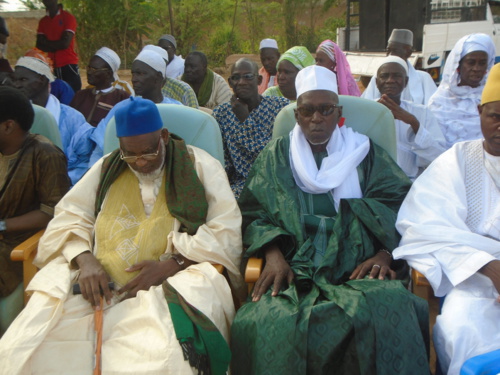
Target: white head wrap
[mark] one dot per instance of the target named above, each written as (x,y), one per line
(346,148)
(111,58)
(158,50)
(37,66)
(154,60)
(315,77)
(454,106)
(268,43)
(476,42)
(394,59)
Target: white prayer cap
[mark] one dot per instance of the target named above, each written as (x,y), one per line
(477,42)
(394,59)
(154,60)
(315,77)
(158,50)
(36,65)
(402,36)
(111,58)
(268,43)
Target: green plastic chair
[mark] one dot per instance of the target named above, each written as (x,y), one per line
(364,116)
(196,127)
(45,124)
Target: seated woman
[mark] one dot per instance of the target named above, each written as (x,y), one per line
(455,102)
(330,56)
(320,207)
(289,64)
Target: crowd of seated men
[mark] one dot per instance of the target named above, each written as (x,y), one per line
(329,211)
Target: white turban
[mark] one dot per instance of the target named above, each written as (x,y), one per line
(37,66)
(111,58)
(154,60)
(158,50)
(394,59)
(315,77)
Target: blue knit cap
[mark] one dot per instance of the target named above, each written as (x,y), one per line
(138,116)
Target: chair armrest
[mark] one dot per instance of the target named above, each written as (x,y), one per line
(419,279)
(219,267)
(24,250)
(253,270)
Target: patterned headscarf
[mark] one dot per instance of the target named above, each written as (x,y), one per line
(347,84)
(299,56)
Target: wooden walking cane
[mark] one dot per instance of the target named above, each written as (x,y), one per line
(98,320)
(98,342)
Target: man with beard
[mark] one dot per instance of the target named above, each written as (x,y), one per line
(246,122)
(170,311)
(419,137)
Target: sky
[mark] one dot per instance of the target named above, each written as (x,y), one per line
(12,5)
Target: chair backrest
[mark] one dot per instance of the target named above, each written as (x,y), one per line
(364,116)
(196,127)
(45,124)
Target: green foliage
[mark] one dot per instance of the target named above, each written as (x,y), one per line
(217,27)
(32,4)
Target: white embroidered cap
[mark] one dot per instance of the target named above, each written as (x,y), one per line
(37,66)
(158,50)
(154,60)
(111,58)
(268,43)
(315,77)
(394,59)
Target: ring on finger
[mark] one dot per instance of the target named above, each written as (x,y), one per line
(376,265)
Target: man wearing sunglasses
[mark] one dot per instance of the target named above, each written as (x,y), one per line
(150,217)
(246,122)
(95,103)
(418,134)
(320,206)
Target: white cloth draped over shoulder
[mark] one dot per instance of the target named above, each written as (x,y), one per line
(175,68)
(455,107)
(419,90)
(54,333)
(450,227)
(346,150)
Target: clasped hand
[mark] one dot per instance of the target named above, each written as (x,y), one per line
(94,279)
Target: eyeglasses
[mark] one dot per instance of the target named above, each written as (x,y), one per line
(148,157)
(322,109)
(91,69)
(246,77)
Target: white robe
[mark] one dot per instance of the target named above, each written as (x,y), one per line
(419,90)
(417,151)
(54,333)
(450,227)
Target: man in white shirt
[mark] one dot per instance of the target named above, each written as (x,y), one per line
(420,86)
(450,227)
(419,138)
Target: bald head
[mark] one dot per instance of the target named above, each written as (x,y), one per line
(244,61)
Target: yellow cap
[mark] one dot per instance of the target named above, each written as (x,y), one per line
(491,92)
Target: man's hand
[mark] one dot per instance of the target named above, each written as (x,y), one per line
(399,113)
(275,272)
(239,108)
(492,270)
(151,273)
(378,266)
(93,279)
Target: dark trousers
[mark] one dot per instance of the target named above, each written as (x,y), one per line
(70,74)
